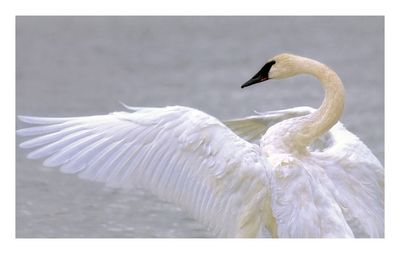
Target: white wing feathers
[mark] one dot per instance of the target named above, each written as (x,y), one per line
(188,157)
(252,128)
(180,154)
(358,179)
(355,174)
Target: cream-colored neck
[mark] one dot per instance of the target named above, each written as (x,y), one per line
(297,133)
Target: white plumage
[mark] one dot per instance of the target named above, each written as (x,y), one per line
(301,179)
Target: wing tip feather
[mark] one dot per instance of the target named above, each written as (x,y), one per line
(42,120)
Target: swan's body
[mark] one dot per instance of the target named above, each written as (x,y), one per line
(307,176)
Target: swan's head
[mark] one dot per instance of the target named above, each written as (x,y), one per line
(279,67)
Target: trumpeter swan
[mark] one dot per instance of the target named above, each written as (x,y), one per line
(307,176)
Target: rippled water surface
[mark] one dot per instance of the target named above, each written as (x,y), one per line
(83,66)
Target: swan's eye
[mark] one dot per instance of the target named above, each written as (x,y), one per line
(263,73)
(265,69)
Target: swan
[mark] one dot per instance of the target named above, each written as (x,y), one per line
(288,173)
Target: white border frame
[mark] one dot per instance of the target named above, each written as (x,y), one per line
(205,7)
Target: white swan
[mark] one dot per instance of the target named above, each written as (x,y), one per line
(307,176)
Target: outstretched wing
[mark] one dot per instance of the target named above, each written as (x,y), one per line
(358,181)
(180,154)
(356,174)
(252,128)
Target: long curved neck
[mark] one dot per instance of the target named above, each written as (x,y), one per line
(302,131)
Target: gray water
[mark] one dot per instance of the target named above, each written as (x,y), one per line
(73,66)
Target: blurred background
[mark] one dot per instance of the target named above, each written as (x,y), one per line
(74,66)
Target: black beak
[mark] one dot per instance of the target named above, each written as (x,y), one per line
(254,80)
(261,76)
